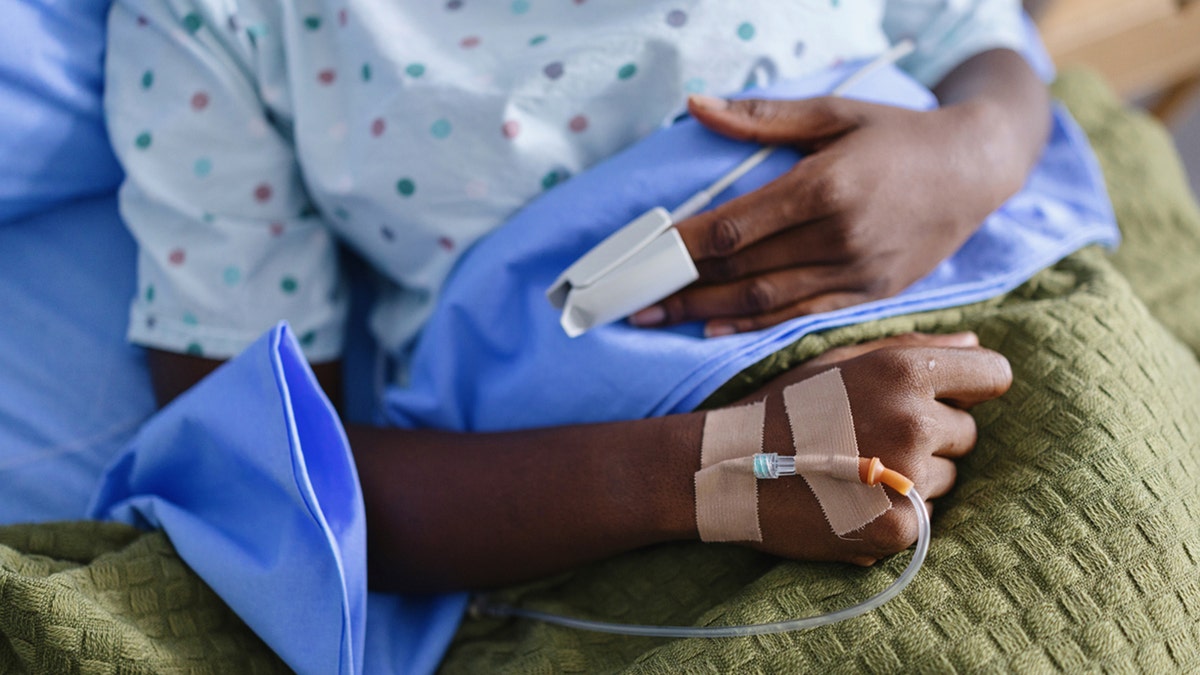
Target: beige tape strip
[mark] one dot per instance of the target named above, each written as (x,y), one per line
(827,453)
(726,489)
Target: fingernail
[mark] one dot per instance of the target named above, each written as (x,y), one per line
(718,330)
(708,102)
(651,316)
(966,338)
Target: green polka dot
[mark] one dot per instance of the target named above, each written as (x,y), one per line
(406,187)
(288,285)
(231,275)
(366,72)
(308,338)
(835,3)
(143,140)
(150,293)
(192,22)
(194,349)
(189,319)
(440,128)
(627,71)
(312,22)
(208,217)
(520,6)
(695,85)
(537,40)
(147,79)
(746,31)
(415,69)
(202,167)
(554,178)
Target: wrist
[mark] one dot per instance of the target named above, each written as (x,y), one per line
(994,151)
(665,481)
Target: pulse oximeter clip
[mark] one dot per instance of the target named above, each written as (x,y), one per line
(646,260)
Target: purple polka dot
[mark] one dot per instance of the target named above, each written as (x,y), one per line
(327,76)
(378,127)
(177,257)
(446,243)
(387,233)
(262,193)
(798,50)
(276,229)
(199,101)
(578,123)
(510,129)
(343,17)
(470,42)
(142,21)
(676,18)
(454,5)
(554,70)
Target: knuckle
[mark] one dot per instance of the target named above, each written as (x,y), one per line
(894,531)
(759,110)
(759,295)
(725,235)
(831,190)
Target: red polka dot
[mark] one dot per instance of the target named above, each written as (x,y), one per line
(342,17)
(327,76)
(176,257)
(262,193)
(378,126)
(470,42)
(199,100)
(276,229)
(446,243)
(578,123)
(510,129)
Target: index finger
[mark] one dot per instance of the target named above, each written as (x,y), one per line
(966,377)
(751,218)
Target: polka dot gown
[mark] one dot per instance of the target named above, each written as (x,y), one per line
(256,134)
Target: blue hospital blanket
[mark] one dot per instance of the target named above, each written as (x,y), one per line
(493,356)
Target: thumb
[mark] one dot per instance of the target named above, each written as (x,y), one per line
(792,122)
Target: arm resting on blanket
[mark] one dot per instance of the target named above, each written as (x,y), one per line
(884,195)
(451,510)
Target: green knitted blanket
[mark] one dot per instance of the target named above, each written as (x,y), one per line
(1072,541)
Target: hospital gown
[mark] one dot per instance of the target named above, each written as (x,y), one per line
(258,134)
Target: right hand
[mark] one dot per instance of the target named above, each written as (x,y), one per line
(909,396)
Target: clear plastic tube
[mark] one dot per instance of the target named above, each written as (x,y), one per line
(480,606)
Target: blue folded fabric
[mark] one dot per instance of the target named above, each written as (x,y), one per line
(493,355)
(250,475)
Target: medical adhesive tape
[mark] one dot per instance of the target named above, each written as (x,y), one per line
(726,489)
(822,425)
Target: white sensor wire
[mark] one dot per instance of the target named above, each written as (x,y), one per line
(699,201)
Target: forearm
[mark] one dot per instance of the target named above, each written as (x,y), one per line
(1006,110)
(452,511)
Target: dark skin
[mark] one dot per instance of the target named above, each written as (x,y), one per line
(543,501)
(839,229)
(884,195)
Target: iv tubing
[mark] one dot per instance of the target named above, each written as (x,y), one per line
(481,607)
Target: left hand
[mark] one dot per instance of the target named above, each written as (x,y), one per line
(884,195)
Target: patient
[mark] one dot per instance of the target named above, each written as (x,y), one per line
(256,141)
